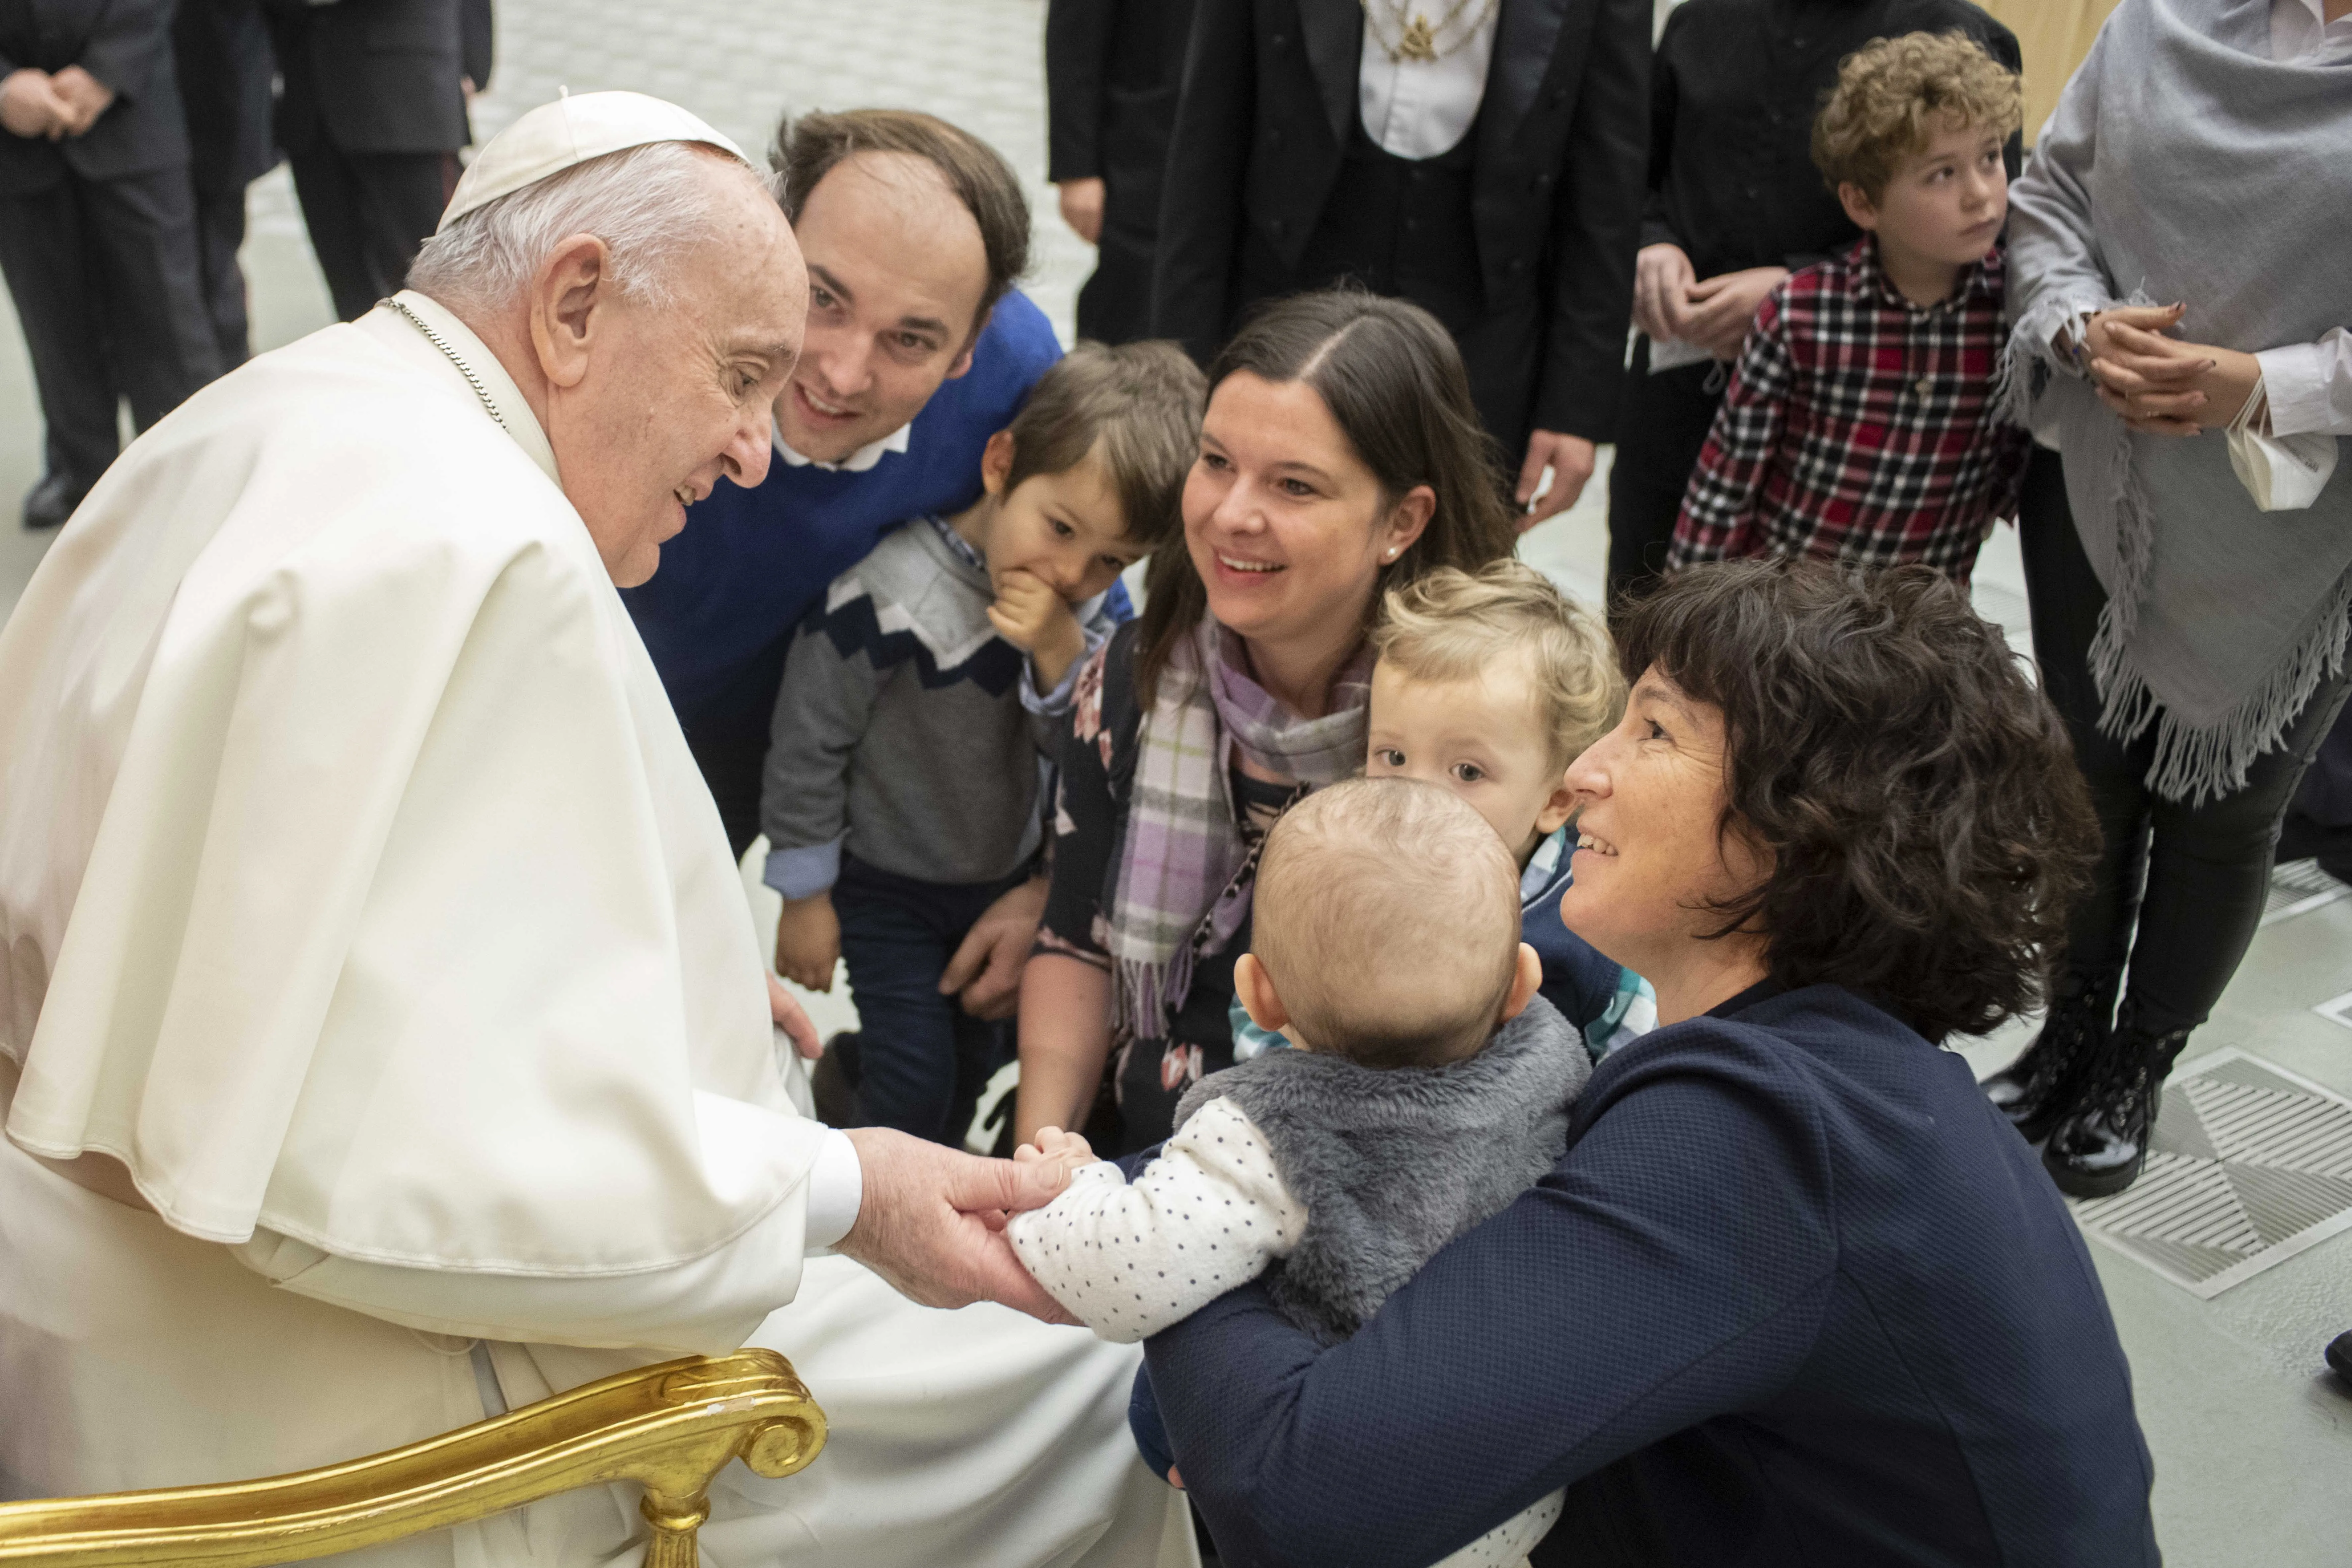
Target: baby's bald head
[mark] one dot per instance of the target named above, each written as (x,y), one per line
(1387,917)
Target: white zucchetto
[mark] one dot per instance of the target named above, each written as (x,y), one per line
(568,132)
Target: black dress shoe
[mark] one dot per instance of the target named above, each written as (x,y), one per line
(50,502)
(2038,1089)
(2339,1355)
(2101,1149)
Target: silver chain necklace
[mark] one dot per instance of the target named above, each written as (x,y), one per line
(438,341)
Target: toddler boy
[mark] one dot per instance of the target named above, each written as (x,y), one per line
(1430,1087)
(1488,686)
(1862,422)
(902,787)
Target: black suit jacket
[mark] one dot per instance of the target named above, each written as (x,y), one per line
(126,45)
(477,41)
(1269,95)
(222,48)
(371,75)
(1113,68)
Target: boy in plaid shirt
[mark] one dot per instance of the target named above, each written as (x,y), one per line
(1862,424)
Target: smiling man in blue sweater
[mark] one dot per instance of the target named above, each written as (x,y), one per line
(918,351)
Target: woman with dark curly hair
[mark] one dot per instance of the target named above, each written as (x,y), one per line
(1796,1293)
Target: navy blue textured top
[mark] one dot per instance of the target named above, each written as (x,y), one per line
(1796,1294)
(718,617)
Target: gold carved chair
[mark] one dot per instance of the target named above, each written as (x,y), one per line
(670,1428)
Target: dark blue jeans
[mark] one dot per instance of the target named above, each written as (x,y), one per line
(914,1044)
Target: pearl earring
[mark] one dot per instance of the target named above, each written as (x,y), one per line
(1390,556)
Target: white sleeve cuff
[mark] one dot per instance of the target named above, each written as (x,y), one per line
(2309,385)
(837,1189)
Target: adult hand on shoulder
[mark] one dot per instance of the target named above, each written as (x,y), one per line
(1723,307)
(987,965)
(931,1222)
(1082,208)
(1663,277)
(2160,384)
(30,105)
(85,97)
(1570,460)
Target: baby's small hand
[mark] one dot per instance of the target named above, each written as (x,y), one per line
(1053,1143)
(1033,618)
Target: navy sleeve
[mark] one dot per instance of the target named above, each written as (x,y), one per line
(1674,1267)
(1576,979)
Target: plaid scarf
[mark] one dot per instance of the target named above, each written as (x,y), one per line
(1185,872)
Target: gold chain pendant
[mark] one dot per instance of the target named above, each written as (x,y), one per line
(1418,42)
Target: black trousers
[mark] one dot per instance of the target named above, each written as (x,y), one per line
(1661,424)
(103,274)
(220,235)
(921,1058)
(734,766)
(368,214)
(1115,302)
(2179,889)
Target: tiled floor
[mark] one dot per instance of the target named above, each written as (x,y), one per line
(2252,1442)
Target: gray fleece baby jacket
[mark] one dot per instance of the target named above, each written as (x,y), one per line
(1392,1163)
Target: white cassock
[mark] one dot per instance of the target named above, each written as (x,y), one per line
(358,892)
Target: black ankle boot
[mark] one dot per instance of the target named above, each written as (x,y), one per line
(2042,1085)
(2099,1149)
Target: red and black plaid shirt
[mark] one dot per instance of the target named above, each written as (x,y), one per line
(1859,427)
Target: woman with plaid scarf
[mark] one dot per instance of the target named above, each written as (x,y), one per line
(1340,457)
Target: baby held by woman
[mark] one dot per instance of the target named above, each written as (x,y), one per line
(1429,1087)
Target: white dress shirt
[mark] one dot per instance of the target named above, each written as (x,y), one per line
(857,462)
(2309,385)
(1420,109)
(2301,33)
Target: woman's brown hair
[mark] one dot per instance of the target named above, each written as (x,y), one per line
(1394,381)
(1928,829)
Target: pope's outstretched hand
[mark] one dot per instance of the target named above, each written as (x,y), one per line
(931,1222)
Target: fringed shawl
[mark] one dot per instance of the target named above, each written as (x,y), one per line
(2183,164)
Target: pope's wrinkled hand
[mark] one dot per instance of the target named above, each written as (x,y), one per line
(931,1222)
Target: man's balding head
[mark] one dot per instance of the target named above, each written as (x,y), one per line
(913,230)
(1386,916)
(650,303)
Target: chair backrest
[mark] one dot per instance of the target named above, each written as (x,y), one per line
(670,1428)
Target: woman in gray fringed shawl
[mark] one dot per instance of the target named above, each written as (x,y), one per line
(1341,456)
(2195,643)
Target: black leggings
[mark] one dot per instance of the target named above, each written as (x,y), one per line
(2180,887)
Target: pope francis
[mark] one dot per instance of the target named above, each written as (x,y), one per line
(383,1039)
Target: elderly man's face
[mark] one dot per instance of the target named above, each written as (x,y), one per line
(897,271)
(677,394)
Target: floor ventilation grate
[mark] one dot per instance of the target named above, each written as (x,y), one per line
(2250,1166)
(2297,887)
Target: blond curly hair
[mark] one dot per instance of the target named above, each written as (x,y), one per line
(1894,95)
(1452,625)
